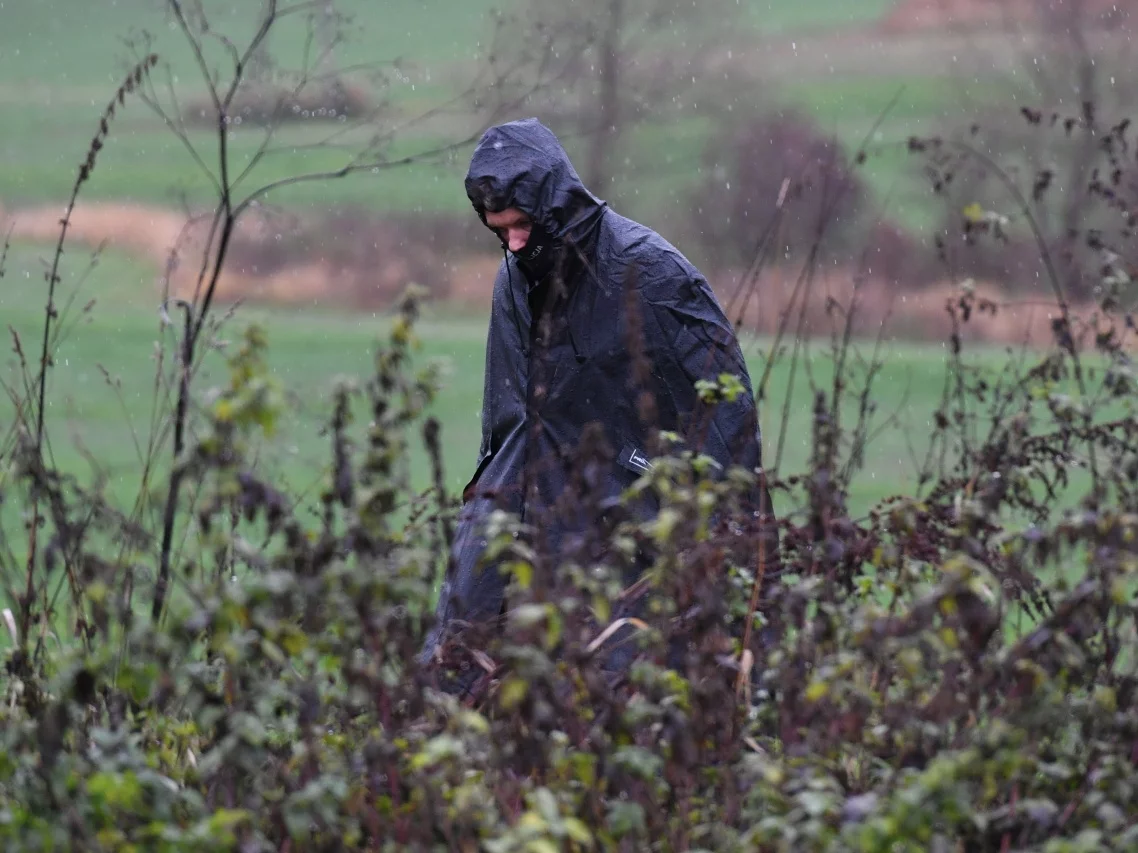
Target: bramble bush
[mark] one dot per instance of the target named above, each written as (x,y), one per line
(953,671)
(930,677)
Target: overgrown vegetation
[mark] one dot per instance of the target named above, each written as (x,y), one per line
(954,670)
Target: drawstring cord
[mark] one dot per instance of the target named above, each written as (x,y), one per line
(572,336)
(513,301)
(573,342)
(514,313)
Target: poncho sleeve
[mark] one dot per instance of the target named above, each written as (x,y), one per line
(689,339)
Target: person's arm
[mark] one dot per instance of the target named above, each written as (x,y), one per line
(691,339)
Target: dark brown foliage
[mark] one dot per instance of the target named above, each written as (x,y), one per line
(779,156)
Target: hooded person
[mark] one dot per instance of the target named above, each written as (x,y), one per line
(558,359)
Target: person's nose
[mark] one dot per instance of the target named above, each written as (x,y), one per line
(518,238)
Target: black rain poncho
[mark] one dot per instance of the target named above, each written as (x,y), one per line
(545,381)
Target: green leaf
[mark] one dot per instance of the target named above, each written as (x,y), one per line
(1106,698)
(436,750)
(294,641)
(118,790)
(578,831)
(665,524)
(227,819)
(553,629)
(625,818)
(602,609)
(512,692)
(528,615)
(523,573)
(639,762)
(546,805)
(815,803)
(731,386)
(973,212)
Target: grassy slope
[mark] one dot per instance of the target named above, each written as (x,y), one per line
(39,42)
(57,85)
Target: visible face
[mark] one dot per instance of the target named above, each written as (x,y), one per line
(512,226)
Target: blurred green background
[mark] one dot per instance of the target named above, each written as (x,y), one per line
(62,60)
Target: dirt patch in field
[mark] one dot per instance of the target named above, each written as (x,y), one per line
(919,315)
(354,261)
(350,258)
(973,15)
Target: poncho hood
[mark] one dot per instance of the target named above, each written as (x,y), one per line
(522,164)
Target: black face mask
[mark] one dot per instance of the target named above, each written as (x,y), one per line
(536,257)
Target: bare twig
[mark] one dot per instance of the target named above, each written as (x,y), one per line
(130,84)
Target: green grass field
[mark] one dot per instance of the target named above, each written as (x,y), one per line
(61,60)
(96,431)
(310,348)
(64,43)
